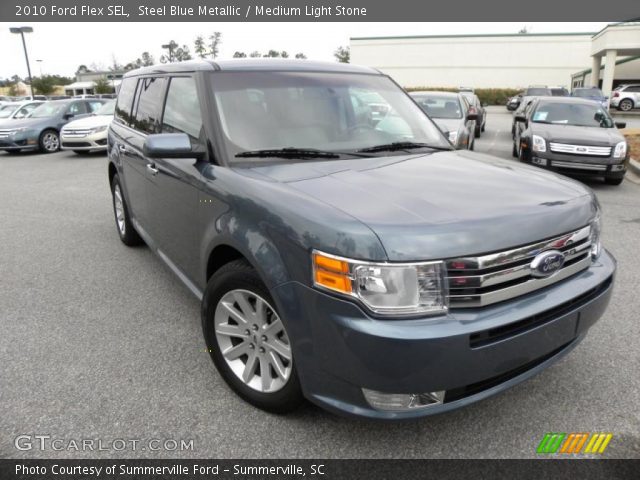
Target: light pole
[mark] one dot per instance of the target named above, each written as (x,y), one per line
(22,31)
(40,66)
(169,46)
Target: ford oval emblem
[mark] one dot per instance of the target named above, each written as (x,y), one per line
(547,263)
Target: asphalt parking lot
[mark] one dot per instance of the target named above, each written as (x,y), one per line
(100,341)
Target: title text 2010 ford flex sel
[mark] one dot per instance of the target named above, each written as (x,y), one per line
(348,257)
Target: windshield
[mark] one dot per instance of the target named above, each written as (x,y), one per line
(577,114)
(588,93)
(439,106)
(48,109)
(106,109)
(331,112)
(7,110)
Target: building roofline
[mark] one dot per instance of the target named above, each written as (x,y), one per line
(618,62)
(479,35)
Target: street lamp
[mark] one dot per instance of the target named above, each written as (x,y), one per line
(40,65)
(22,31)
(169,46)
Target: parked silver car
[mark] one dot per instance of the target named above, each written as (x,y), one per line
(452,113)
(626,97)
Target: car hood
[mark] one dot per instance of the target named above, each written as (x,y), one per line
(445,204)
(577,135)
(27,122)
(90,122)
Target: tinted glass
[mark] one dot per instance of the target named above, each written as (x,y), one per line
(125,101)
(94,105)
(49,109)
(588,93)
(633,89)
(149,105)
(583,115)
(273,110)
(438,106)
(106,109)
(533,92)
(182,109)
(77,108)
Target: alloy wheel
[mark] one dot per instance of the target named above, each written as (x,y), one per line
(119,208)
(626,105)
(253,341)
(50,142)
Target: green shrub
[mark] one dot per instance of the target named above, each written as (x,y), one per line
(488,96)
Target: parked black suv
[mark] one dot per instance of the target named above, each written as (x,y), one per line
(346,253)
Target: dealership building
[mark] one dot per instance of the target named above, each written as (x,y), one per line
(507,60)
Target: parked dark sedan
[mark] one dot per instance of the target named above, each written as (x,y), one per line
(571,135)
(481,113)
(41,129)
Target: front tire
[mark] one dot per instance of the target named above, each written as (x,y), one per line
(49,141)
(247,340)
(124,226)
(625,105)
(613,180)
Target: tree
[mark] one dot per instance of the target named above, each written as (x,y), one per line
(115,66)
(239,55)
(524,30)
(284,54)
(173,46)
(214,43)
(102,85)
(13,90)
(147,59)
(44,85)
(82,69)
(272,54)
(255,54)
(301,56)
(199,47)
(182,54)
(342,54)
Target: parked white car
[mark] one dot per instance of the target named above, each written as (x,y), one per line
(88,133)
(626,97)
(17,110)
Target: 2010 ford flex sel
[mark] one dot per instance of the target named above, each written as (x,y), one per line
(345,253)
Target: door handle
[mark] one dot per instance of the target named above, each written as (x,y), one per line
(151,168)
(122,148)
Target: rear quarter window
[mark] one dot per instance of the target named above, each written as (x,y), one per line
(124,103)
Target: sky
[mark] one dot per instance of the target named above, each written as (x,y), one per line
(62,47)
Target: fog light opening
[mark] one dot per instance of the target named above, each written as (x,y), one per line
(399,402)
(539,161)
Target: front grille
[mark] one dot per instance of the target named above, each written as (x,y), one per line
(459,393)
(497,334)
(580,149)
(501,276)
(4,133)
(77,133)
(579,166)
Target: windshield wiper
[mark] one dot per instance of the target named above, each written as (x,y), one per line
(390,147)
(289,152)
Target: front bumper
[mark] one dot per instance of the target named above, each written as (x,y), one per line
(19,141)
(579,164)
(94,141)
(339,349)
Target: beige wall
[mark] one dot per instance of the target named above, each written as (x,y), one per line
(482,61)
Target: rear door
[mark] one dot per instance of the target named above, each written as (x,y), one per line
(175,184)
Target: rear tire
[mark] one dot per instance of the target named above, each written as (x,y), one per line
(625,105)
(476,132)
(247,340)
(125,228)
(514,150)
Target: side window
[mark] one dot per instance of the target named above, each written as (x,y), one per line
(77,108)
(125,101)
(634,89)
(148,107)
(182,109)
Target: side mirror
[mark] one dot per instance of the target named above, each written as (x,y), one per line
(169,145)
(621,125)
(67,116)
(521,118)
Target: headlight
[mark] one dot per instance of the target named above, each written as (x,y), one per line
(453,136)
(99,129)
(594,237)
(620,151)
(399,289)
(18,130)
(538,144)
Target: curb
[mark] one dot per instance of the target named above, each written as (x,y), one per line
(634,166)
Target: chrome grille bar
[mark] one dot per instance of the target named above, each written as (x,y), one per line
(579,166)
(580,149)
(480,281)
